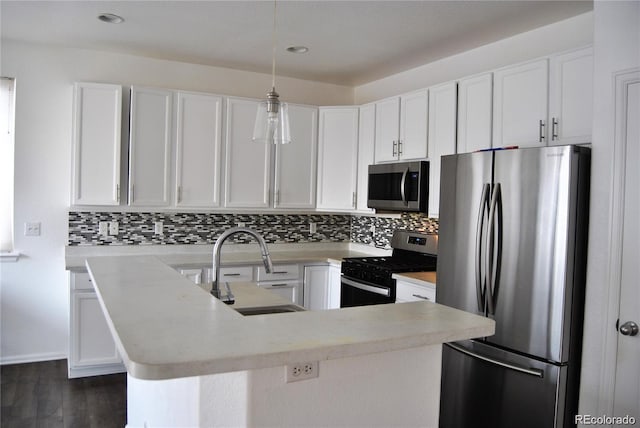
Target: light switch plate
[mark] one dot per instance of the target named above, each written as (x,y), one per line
(32,229)
(313,227)
(158,228)
(103,228)
(113,228)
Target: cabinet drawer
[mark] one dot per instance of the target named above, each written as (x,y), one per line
(279,272)
(406,292)
(81,281)
(236,274)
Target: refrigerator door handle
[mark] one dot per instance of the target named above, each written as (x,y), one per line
(480,287)
(493,257)
(525,370)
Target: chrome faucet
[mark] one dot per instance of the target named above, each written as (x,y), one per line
(228,298)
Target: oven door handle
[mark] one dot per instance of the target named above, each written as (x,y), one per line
(370,288)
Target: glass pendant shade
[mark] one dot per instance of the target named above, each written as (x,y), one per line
(272,122)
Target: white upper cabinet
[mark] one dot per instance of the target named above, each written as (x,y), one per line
(387,132)
(401,127)
(96,144)
(475,106)
(247,164)
(198,142)
(413,125)
(337,158)
(366,141)
(442,136)
(520,105)
(150,147)
(571,97)
(296,162)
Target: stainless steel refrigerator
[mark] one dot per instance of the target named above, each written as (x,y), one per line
(512,247)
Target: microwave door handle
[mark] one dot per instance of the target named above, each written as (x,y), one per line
(403,183)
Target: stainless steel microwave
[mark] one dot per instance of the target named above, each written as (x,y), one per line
(399,186)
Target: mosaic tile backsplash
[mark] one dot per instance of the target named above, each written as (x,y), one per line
(204,228)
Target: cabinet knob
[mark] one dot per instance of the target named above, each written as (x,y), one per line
(629,329)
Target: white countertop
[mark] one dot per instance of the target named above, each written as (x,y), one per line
(167,327)
(238,254)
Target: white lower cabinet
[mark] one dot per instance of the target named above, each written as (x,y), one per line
(409,292)
(92,350)
(321,287)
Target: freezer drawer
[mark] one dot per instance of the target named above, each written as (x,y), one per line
(487,387)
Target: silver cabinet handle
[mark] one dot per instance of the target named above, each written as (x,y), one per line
(395,143)
(421,297)
(400,147)
(179,194)
(353,199)
(525,370)
(230,274)
(133,192)
(118,192)
(554,129)
(280,285)
(629,329)
(542,126)
(282,272)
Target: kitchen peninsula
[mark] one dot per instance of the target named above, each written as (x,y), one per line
(195,361)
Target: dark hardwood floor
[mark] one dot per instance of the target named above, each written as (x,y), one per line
(40,395)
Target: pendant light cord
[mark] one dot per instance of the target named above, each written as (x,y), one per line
(273,51)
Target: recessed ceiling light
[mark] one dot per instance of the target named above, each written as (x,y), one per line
(298,49)
(110,18)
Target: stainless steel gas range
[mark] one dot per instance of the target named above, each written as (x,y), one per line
(367,280)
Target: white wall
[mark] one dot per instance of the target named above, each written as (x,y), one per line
(34,295)
(616,48)
(564,35)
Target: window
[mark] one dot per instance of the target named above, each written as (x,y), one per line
(7,122)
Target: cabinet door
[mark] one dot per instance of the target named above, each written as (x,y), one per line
(290,290)
(442,136)
(413,125)
(296,163)
(91,341)
(334,287)
(337,158)
(475,106)
(408,292)
(520,105)
(387,129)
(571,97)
(96,144)
(198,142)
(316,287)
(366,141)
(150,147)
(247,164)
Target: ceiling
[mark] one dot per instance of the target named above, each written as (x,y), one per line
(350,42)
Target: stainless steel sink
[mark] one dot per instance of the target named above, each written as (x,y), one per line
(263,310)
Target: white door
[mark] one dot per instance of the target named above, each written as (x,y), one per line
(475,107)
(337,158)
(520,105)
(442,137)
(571,97)
(296,163)
(627,228)
(96,144)
(247,164)
(413,125)
(198,142)
(387,129)
(150,147)
(366,141)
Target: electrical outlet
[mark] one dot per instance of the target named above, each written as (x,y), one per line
(301,371)
(313,227)
(372,229)
(103,228)
(158,228)
(32,229)
(113,228)
(242,224)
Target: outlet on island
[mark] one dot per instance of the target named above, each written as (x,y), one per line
(301,371)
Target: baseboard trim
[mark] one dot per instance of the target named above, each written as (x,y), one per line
(33,358)
(99,370)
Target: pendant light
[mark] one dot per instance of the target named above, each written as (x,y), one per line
(272,120)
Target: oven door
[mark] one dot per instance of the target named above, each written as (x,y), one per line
(359,293)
